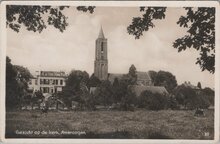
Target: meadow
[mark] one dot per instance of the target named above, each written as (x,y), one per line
(140,124)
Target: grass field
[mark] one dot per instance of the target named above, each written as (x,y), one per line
(141,124)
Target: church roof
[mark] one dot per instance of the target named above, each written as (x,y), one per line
(143,75)
(112,76)
(101,33)
(153,89)
(140,76)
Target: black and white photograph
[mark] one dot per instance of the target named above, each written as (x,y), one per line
(99,71)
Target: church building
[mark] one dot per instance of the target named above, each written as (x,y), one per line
(101,59)
(144,81)
(101,64)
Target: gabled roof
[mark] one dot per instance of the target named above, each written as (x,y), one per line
(101,34)
(143,75)
(153,89)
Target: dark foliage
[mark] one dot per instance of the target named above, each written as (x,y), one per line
(191,98)
(201,35)
(17,78)
(141,24)
(201,31)
(153,76)
(93,81)
(75,78)
(103,95)
(152,101)
(210,94)
(172,103)
(199,85)
(132,75)
(32,17)
(166,79)
(86,8)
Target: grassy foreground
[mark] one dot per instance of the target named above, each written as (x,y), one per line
(141,124)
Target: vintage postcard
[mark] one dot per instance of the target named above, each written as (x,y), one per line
(109,72)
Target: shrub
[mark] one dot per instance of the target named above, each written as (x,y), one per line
(152,101)
(191,98)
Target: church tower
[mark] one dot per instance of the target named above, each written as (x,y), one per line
(101,60)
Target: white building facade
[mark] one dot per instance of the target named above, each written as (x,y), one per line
(47,81)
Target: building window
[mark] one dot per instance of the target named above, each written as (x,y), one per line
(102,47)
(61,82)
(36,82)
(41,81)
(46,90)
(56,82)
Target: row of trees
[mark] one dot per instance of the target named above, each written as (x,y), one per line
(118,93)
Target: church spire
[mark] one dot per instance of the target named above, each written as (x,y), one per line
(101,33)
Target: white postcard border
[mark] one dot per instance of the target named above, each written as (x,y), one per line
(119,4)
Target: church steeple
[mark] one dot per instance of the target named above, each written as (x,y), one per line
(101,57)
(101,33)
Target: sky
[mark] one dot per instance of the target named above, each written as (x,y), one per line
(75,47)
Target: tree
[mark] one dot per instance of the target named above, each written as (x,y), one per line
(186,96)
(153,75)
(199,85)
(201,35)
(23,77)
(190,98)
(104,94)
(72,90)
(166,79)
(116,91)
(75,78)
(17,78)
(132,75)
(152,101)
(12,99)
(144,23)
(201,31)
(32,18)
(128,101)
(210,94)
(93,81)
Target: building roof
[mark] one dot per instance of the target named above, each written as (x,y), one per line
(112,76)
(52,74)
(101,34)
(188,84)
(154,89)
(143,75)
(140,76)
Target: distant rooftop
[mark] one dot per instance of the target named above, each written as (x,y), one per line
(52,73)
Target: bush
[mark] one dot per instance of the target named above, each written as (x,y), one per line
(172,103)
(152,101)
(191,98)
